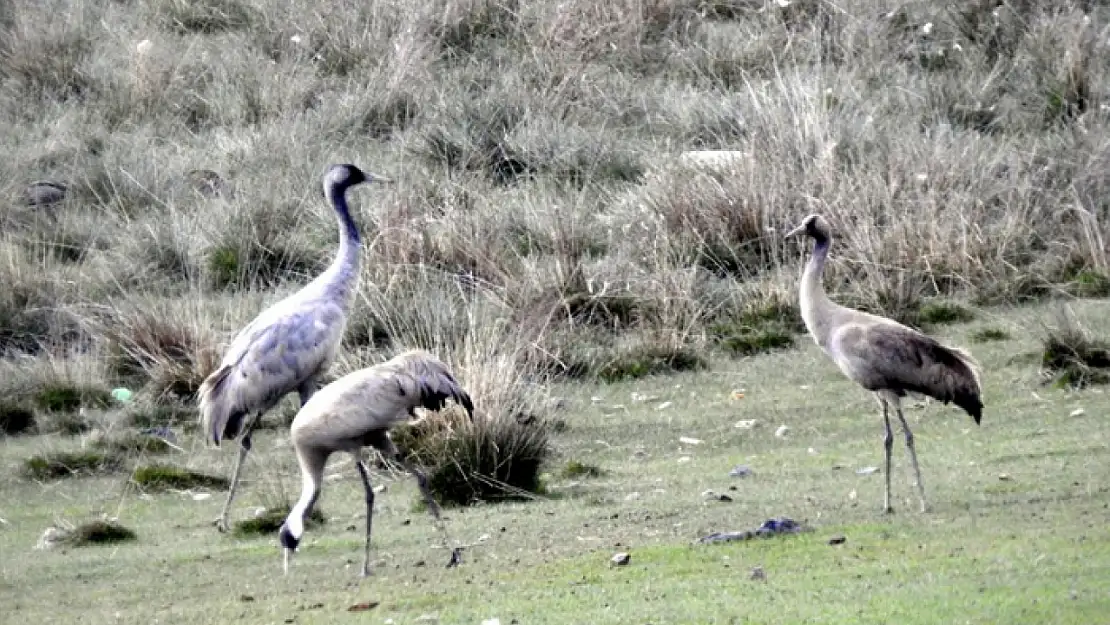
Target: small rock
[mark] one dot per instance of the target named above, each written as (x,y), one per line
(740,471)
(758,574)
(686,440)
(683,459)
(664,405)
(781,431)
(723,497)
(492,621)
(1005,477)
(246,598)
(745,424)
(1078,412)
(201,496)
(811,451)
(737,394)
(837,540)
(866,470)
(632,496)
(427,618)
(620,559)
(852,495)
(595,399)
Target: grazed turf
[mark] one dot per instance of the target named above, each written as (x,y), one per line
(1017,531)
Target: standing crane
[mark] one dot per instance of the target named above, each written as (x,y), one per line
(882,355)
(288,346)
(357,411)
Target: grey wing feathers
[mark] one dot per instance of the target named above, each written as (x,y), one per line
(265,363)
(908,361)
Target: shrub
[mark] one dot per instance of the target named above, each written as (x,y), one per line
(644,359)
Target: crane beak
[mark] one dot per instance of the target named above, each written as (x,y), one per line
(378,178)
(796,231)
(286,556)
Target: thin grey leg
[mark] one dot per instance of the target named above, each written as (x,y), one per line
(913,458)
(364,473)
(433,507)
(244,449)
(888,445)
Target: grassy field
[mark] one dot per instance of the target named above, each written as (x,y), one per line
(547,239)
(1017,532)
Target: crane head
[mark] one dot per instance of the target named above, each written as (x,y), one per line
(289,538)
(346,175)
(813,226)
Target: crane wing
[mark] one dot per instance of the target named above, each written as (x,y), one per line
(269,360)
(893,357)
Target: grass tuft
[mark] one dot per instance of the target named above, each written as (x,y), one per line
(943,312)
(63,397)
(491,459)
(1072,358)
(99,532)
(270,520)
(574,469)
(132,443)
(63,464)
(988,335)
(160,477)
(644,359)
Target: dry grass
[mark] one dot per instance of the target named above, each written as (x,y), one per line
(959,151)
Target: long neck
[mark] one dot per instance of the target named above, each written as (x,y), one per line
(312,474)
(343,272)
(815,304)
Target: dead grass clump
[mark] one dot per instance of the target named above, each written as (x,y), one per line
(99,532)
(160,477)
(1071,357)
(102,531)
(63,464)
(494,458)
(160,351)
(16,417)
(270,520)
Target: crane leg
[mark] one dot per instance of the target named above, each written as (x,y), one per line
(913,458)
(364,473)
(888,445)
(244,449)
(433,507)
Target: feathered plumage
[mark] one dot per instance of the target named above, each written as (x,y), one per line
(287,346)
(882,355)
(357,411)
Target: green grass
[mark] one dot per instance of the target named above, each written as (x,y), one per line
(1031,548)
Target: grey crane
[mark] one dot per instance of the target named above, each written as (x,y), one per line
(287,346)
(357,411)
(882,355)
